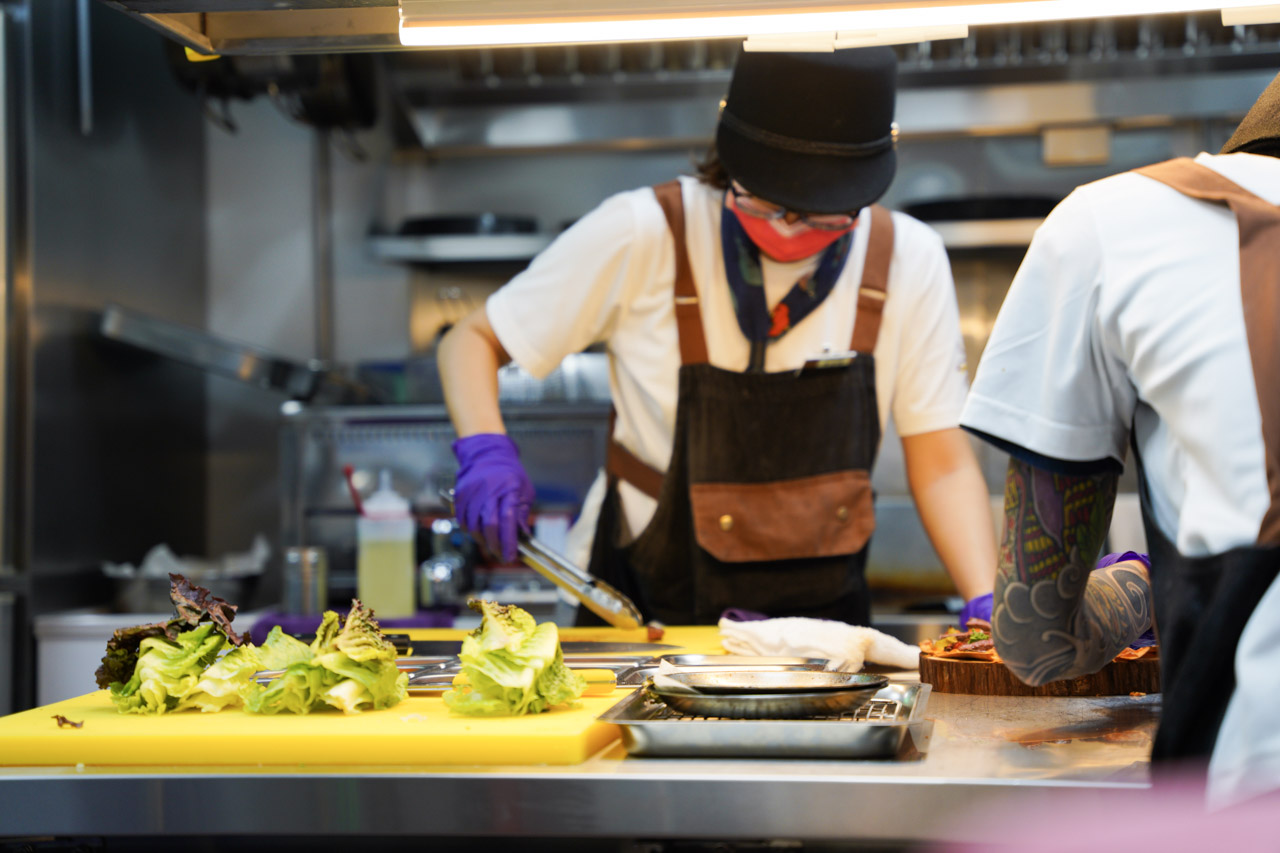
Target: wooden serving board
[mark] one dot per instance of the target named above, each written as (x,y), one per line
(987,678)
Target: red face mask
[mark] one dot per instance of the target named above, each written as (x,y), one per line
(785,241)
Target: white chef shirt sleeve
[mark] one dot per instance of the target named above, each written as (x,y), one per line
(930,384)
(575,290)
(1050,381)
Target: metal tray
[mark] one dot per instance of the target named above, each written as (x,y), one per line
(765,663)
(751,682)
(764,695)
(891,725)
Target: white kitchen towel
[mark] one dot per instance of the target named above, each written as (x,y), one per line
(848,647)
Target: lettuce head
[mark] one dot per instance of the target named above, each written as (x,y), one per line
(193,605)
(512,665)
(349,665)
(167,671)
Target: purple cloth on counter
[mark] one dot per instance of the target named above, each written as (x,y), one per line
(492,495)
(978,607)
(737,614)
(294,623)
(1148,637)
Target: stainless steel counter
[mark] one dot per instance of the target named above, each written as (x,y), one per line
(985,751)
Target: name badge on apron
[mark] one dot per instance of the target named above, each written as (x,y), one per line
(827,360)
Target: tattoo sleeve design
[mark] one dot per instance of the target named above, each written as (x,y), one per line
(1054,617)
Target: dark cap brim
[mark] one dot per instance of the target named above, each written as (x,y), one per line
(811,183)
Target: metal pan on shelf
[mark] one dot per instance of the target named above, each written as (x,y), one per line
(765,695)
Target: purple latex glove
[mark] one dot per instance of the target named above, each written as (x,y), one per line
(1149,637)
(493,494)
(976,608)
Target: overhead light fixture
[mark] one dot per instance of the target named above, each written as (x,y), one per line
(1269,14)
(828,42)
(474,23)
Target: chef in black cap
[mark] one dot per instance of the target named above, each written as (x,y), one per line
(1146,315)
(763,321)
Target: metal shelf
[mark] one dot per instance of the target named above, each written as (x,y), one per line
(987,233)
(458,248)
(482,248)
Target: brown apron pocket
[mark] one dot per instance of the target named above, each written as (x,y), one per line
(824,516)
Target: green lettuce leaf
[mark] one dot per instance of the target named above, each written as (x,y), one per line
(512,665)
(330,627)
(349,665)
(167,671)
(280,651)
(226,683)
(298,691)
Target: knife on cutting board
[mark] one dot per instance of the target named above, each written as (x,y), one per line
(600,682)
(450,648)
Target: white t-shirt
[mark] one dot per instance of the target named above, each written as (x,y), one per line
(610,279)
(1126,316)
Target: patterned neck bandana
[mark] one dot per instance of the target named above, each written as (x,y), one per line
(746,283)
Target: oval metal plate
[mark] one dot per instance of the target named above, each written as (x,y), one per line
(748,682)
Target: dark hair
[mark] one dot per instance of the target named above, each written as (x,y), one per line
(711,171)
(1268,147)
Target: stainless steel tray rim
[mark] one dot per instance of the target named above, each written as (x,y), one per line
(905,736)
(754,684)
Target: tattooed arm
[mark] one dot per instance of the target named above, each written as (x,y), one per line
(1054,617)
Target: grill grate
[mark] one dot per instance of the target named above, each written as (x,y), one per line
(875,710)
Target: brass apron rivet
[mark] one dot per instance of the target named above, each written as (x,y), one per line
(726,522)
(842,513)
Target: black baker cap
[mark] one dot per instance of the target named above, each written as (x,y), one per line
(812,131)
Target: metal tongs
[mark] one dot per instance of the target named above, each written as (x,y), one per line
(599,597)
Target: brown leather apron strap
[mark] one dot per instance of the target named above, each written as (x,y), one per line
(875,281)
(1259,224)
(622,464)
(693,342)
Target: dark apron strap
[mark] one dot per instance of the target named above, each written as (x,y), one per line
(1259,224)
(875,282)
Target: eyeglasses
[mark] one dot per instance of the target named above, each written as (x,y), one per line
(758,207)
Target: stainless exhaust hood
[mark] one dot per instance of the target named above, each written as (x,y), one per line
(1000,80)
(246,27)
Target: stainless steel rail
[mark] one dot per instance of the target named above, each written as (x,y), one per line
(1006,752)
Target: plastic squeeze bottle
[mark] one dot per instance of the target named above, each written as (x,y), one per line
(384,565)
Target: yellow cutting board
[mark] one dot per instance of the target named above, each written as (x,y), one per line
(420,731)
